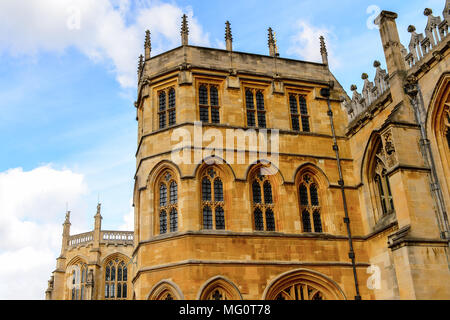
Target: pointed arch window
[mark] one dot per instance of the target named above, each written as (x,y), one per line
(79,281)
(168,204)
(299,113)
(213,203)
(209,106)
(383,189)
(255,117)
(167,108)
(263,204)
(309,205)
(116,280)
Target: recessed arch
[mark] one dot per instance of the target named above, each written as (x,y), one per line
(314,170)
(164,288)
(269,169)
(214,161)
(77,259)
(317,281)
(159,168)
(225,288)
(115,255)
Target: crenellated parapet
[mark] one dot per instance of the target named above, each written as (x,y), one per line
(436,31)
(371,91)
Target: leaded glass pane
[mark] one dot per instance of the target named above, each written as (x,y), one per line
(293,104)
(172,117)
(305,124)
(171,98)
(261,119)
(256,188)
(204,114)
(107,290)
(82,293)
(207,218)
(214,96)
(306,221)
(303,108)
(107,274)
(119,291)
(259,222)
(173,220)
(206,189)
(218,190)
(314,195)
(125,274)
(203,95)
(303,195)
(317,222)
(162,195)
(124,292)
(295,123)
(162,101)
(259,101)
(162,120)
(267,193)
(251,119)
(113,273)
(270,220)
(220,219)
(112,291)
(215,115)
(173,192)
(119,273)
(162,222)
(249,100)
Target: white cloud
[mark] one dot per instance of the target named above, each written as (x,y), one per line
(109,31)
(305,43)
(128,219)
(31,214)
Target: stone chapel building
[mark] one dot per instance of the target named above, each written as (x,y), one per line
(354,207)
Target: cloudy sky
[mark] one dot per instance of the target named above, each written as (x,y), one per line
(67,86)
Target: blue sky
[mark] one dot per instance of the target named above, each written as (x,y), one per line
(67,125)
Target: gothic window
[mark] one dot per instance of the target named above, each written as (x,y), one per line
(116,278)
(309,205)
(167,108)
(263,204)
(300,291)
(299,113)
(79,280)
(168,203)
(208,100)
(212,201)
(255,117)
(383,188)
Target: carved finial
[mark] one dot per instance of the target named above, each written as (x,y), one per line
(427,12)
(99,206)
(184,31)
(364,76)
(228,36)
(147,45)
(323,50)
(376,64)
(353,87)
(67,220)
(140,65)
(411,28)
(271,42)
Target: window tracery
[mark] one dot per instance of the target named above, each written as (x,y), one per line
(309,204)
(263,204)
(116,278)
(212,200)
(168,203)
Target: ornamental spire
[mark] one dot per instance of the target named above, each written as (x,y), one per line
(272,49)
(323,50)
(228,36)
(184,31)
(147,45)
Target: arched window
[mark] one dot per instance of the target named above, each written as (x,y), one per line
(300,291)
(168,204)
(299,113)
(116,279)
(383,188)
(212,201)
(255,118)
(309,204)
(263,204)
(209,104)
(167,108)
(79,280)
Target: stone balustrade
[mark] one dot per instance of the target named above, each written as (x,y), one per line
(82,238)
(105,237)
